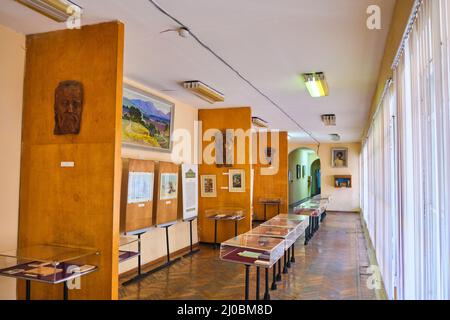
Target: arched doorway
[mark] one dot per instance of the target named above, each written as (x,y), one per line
(304,175)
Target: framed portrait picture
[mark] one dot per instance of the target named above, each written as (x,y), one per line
(339,157)
(236,180)
(299,171)
(168,186)
(208,186)
(147,120)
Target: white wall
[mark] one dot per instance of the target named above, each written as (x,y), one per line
(154,242)
(342,199)
(12,62)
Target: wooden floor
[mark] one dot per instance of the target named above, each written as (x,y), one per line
(328,268)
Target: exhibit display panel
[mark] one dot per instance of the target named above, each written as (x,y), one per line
(288,234)
(189,179)
(293,217)
(253,250)
(50,264)
(136,210)
(167,187)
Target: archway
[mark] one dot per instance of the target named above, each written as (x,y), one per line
(304,175)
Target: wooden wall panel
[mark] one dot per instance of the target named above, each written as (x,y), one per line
(77,206)
(272,186)
(135,216)
(222,119)
(166,211)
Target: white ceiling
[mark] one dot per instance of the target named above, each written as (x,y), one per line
(270,42)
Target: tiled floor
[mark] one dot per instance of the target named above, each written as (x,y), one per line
(328,268)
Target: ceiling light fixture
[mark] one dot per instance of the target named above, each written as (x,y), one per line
(335,137)
(329,120)
(260,123)
(316,84)
(58,10)
(204,91)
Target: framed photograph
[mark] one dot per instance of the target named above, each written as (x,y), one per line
(168,186)
(236,180)
(208,186)
(303,171)
(339,157)
(299,171)
(147,120)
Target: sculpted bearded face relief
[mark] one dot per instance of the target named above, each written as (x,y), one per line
(68,107)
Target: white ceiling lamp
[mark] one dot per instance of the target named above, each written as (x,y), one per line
(204,91)
(58,10)
(329,120)
(335,137)
(260,123)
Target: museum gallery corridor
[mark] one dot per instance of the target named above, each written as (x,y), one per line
(331,267)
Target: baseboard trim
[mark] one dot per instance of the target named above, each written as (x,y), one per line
(156,263)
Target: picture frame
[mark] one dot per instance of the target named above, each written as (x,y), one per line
(303,172)
(339,158)
(236,180)
(208,185)
(168,186)
(147,120)
(299,171)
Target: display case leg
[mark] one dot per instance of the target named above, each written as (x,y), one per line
(308,232)
(288,262)
(192,251)
(293,253)
(285,268)
(265,212)
(258,281)
(28,290)
(215,234)
(274,282)
(266,293)
(279,271)
(235,228)
(65,292)
(139,256)
(247,280)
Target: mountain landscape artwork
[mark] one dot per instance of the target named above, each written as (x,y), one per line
(146,120)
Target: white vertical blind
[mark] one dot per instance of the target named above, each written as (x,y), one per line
(406,164)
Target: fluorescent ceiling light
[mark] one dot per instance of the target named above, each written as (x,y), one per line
(204,91)
(316,84)
(260,123)
(58,10)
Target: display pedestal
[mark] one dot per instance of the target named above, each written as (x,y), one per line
(191,251)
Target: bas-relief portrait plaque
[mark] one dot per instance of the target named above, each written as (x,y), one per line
(69,97)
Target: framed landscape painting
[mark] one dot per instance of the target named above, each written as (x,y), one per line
(147,120)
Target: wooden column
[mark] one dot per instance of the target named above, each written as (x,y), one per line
(78,206)
(222,119)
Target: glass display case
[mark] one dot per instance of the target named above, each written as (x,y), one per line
(253,250)
(128,248)
(288,234)
(49,263)
(225,213)
(298,226)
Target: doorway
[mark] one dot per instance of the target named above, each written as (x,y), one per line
(304,175)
